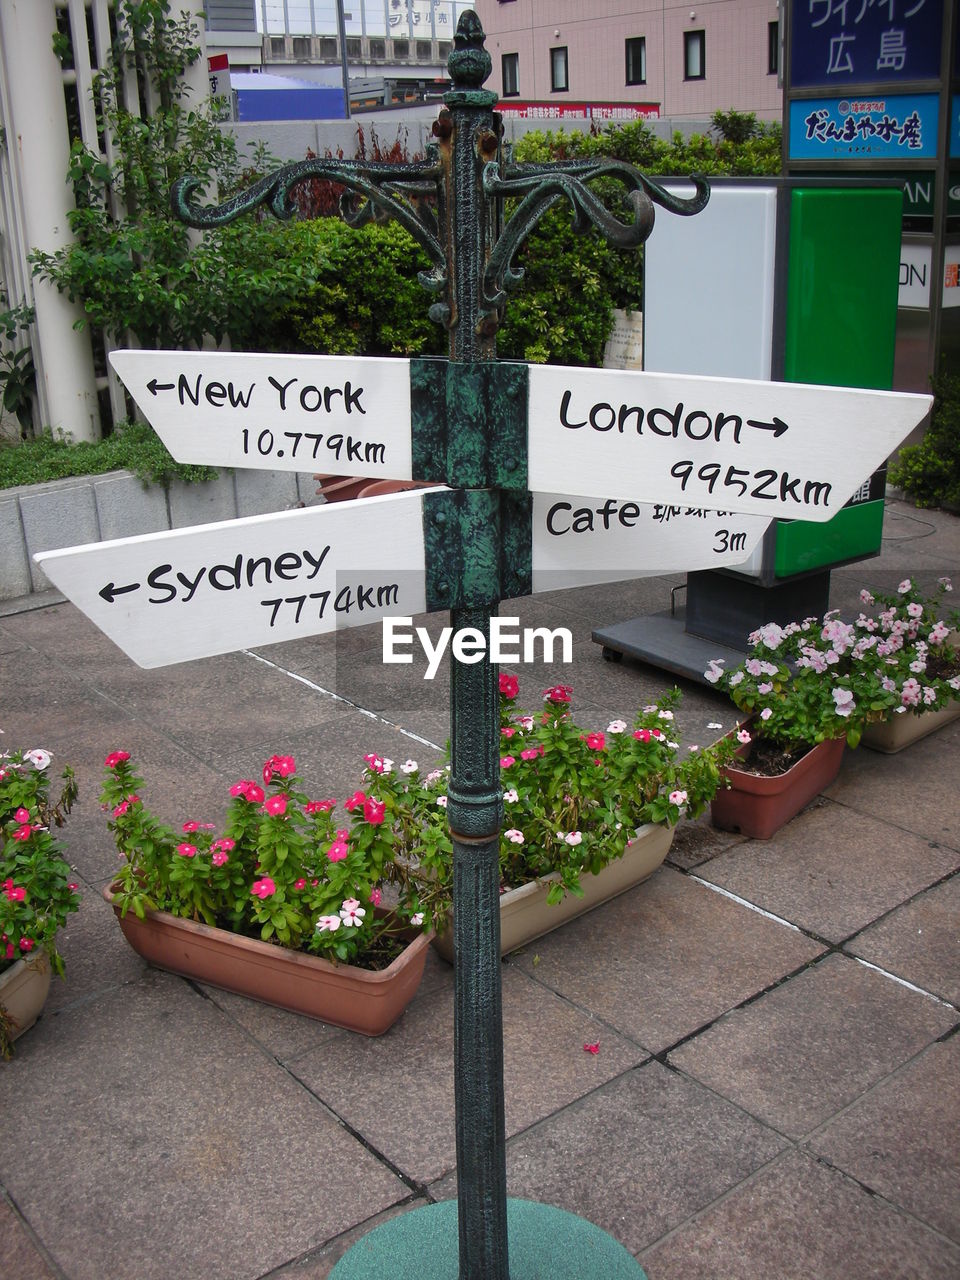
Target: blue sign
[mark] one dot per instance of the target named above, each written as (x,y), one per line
(898,127)
(840,43)
(955,126)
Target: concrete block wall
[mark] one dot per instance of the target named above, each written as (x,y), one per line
(81,509)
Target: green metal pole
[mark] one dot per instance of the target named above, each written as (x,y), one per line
(475,807)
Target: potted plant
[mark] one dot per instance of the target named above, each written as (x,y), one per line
(37,888)
(287,902)
(917,640)
(586,814)
(808,689)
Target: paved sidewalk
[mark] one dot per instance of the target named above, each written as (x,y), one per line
(777,1090)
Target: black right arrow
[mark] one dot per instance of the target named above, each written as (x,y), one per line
(153,386)
(110,592)
(777,426)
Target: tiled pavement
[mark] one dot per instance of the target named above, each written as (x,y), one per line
(777,1091)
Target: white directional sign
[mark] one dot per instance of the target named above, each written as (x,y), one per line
(578,540)
(775,448)
(331,414)
(191,593)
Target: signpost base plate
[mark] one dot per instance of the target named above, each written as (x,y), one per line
(661,640)
(544,1244)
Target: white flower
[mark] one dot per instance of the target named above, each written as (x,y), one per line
(664,715)
(328,924)
(616,726)
(433,775)
(351,913)
(714,724)
(904,586)
(678,797)
(417,918)
(743,736)
(409,766)
(573,837)
(511,796)
(38,757)
(514,835)
(442,801)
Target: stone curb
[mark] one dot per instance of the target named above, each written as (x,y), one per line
(81,509)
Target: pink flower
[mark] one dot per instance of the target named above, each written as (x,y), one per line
(939,632)
(38,757)
(617,726)
(514,835)
(373,810)
(351,913)
(124,805)
(219,856)
(765,714)
(678,797)
(285,766)
(276,806)
(15,892)
(115,758)
(743,736)
(187,850)
(507,761)
(354,801)
(595,741)
(910,693)
(263,888)
(525,722)
(328,924)
(22,833)
(642,735)
(508,732)
(914,610)
(558,693)
(319,806)
(866,597)
(191,826)
(592,1048)
(509,686)
(714,671)
(529,753)
(376,763)
(376,897)
(442,801)
(300,884)
(26,944)
(511,796)
(224,845)
(904,586)
(22,815)
(248,790)
(337,851)
(573,837)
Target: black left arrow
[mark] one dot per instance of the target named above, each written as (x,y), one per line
(777,426)
(110,592)
(153,386)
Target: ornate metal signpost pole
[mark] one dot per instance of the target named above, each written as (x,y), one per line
(469,432)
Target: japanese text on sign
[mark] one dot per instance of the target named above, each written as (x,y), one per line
(885,127)
(865,41)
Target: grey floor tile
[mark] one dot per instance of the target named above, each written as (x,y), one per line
(815,1043)
(920,941)
(831,870)
(901,1139)
(797,1220)
(666,958)
(167,1144)
(22,1257)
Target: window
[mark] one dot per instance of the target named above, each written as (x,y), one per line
(328,47)
(558,70)
(401,48)
(773,48)
(510,74)
(694,56)
(424,50)
(636,48)
(354,47)
(278,47)
(378,48)
(443,49)
(302,47)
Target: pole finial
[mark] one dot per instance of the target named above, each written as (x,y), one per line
(469,63)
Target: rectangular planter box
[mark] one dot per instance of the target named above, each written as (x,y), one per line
(341,994)
(900,731)
(757,806)
(525,913)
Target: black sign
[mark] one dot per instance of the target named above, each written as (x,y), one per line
(838,43)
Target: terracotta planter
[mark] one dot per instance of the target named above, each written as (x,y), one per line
(525,913)
(757,806)
(901,730)
(23,991)
(341,994)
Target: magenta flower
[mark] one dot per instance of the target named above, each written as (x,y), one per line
(263,888)
(595,741)
(376,897)
(509,686)
(558,693)
(187,850)
(300,884)
(26,944)
(337,851)
(373,810)
(507,761)
(508,732)
(218,857)
(15,892)
(276,806)
(531,753)
(354,801)
(115,758)
(22,833)
(319,806)
(22,815)
(642,735)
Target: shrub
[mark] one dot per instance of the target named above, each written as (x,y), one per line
(930,471)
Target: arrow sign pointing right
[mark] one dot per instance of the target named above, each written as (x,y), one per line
(774,448)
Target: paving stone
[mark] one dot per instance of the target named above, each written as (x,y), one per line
(919,941)
(900,1140)
(814,1044)
(318,1264)
(831,870)
(666,958)
(21,1256)
(695,843)
(192,1154)
(910,789)
(799,1220)
(638,1156)
(397,1090)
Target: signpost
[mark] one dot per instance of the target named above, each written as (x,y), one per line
(694,443)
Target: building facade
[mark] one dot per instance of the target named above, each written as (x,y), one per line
(686,60)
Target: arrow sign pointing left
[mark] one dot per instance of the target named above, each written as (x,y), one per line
(308,413)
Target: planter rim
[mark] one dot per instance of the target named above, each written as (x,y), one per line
(271,952)
(533,886)
(766,784)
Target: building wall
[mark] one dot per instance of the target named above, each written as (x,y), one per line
(736,52)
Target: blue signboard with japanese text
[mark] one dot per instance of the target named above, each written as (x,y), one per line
(838,43)
(894,127)
(955,126)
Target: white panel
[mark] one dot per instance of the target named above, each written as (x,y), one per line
(191,593)
(577,541)
(332,414)
(708,286)
(773,448)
